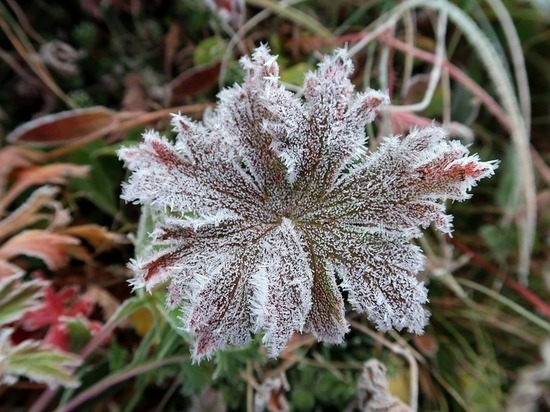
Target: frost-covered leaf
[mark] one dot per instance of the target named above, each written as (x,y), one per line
(270,394)
(272,205)
(374,394)
(35,361)
(17,297)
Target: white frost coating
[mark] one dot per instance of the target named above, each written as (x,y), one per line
(272,199)
(289,280)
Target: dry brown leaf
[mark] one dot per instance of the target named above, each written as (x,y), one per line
(56,173)
(426,344)
(8,269)
(136,97)
(97,236)
(374,395)
(46,246)
(108,303)
(14,157)
(271,394)
(64,127)
(79,252)
(28,213)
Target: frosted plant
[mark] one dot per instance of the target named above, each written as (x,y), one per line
(272,205)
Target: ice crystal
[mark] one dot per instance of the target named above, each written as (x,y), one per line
(272,205)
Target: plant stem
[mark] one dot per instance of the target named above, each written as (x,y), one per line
(98,388)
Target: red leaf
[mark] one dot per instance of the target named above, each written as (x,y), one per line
(194,81)
(66,303)
(63,127)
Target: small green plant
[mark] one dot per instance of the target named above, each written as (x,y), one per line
(32,359)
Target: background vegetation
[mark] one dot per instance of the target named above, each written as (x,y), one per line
(78,79)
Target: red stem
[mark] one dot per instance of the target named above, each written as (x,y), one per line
(453,70)
(540,305)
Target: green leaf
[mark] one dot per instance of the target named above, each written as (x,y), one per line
(102,185)
(476,394)
(195,377)
(330,389)
(17,297)
(117,357)
(209,51)
(79,333)
(39,363)
(303,399)
(295,74)
(294,15)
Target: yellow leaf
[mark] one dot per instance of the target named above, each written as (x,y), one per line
(142,321)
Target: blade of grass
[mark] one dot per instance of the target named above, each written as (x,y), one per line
(518,59)
(294,15)
(520,310)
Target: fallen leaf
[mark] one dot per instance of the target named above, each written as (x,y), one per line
(46,246)
(97,236)
(13,157)
(56,173)
(61,128)
(29,212)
